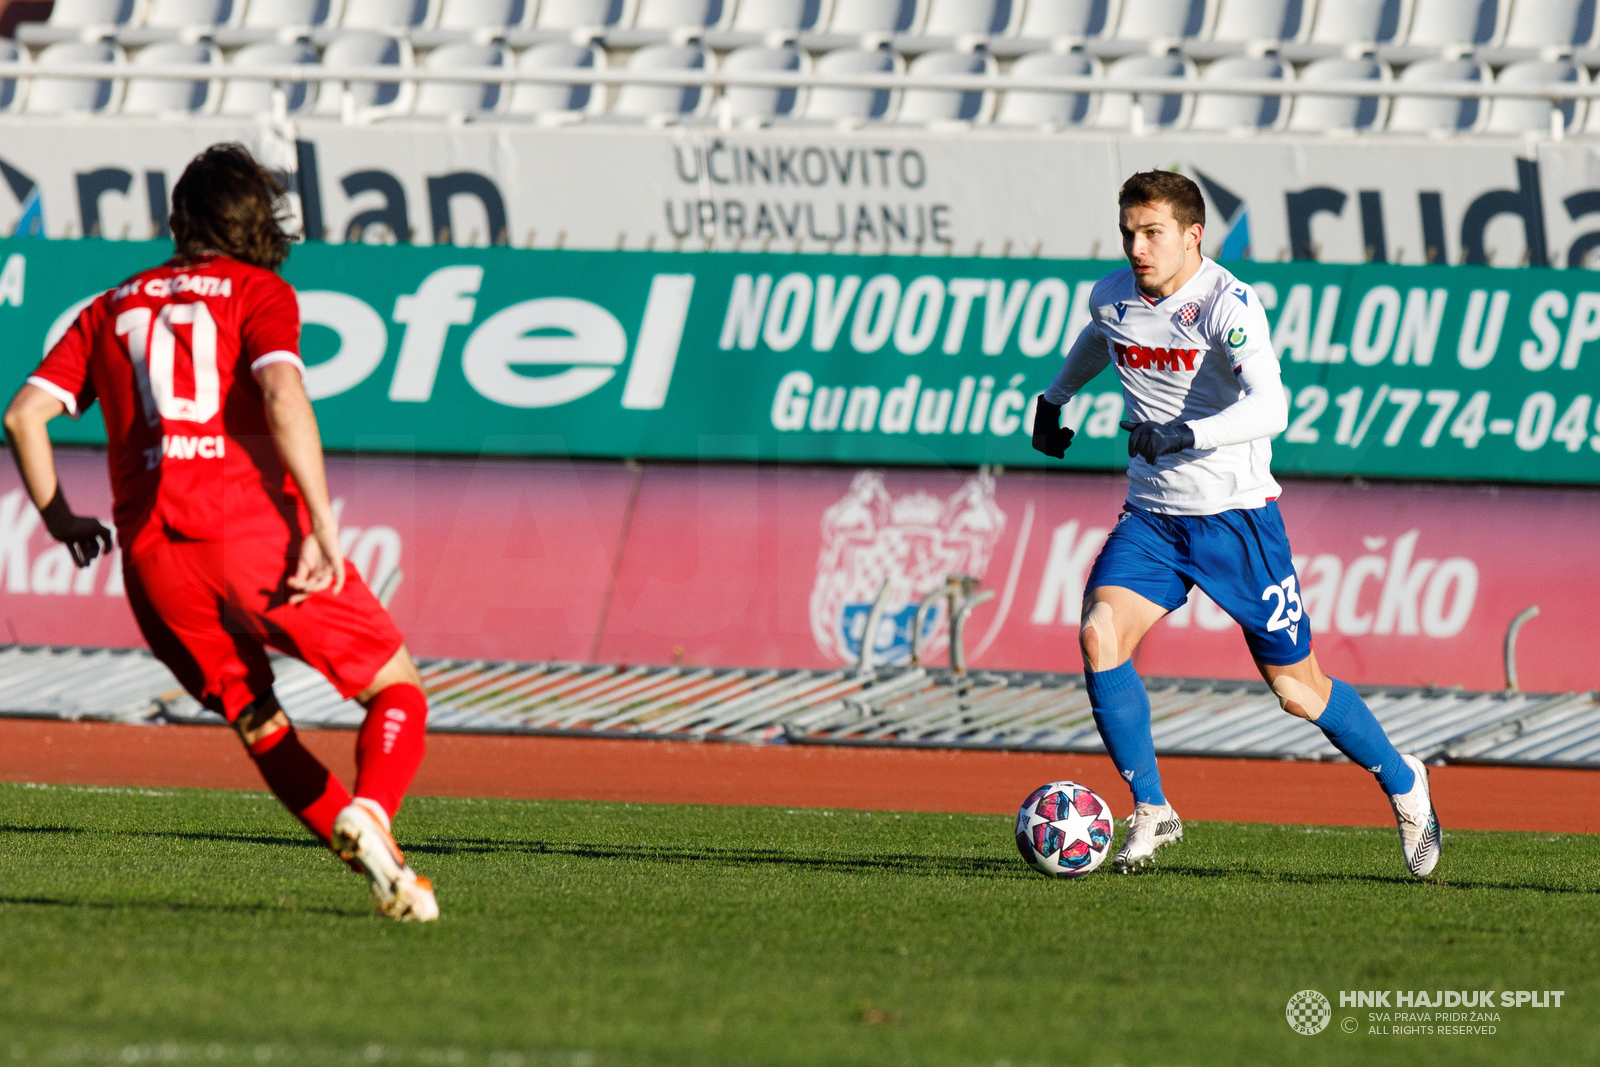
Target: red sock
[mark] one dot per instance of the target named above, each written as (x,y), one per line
(296,777)
(390,745)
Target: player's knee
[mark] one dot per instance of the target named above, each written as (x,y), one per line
(1097,636)
(1298,698)
(261,718)
(400,670)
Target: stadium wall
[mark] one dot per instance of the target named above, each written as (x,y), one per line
(762,566)
(1398,372)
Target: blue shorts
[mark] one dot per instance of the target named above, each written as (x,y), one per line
(1240,558)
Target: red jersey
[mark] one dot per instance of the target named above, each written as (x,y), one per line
(172,354)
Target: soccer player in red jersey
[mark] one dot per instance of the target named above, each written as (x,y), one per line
(221,506)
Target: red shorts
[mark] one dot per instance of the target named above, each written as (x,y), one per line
(209,609)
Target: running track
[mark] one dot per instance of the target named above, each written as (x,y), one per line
(544,768)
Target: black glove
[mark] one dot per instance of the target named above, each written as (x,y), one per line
(1049,436)
(84,537)
(1154,439)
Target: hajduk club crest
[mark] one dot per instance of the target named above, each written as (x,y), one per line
(1189,314)
(915,541)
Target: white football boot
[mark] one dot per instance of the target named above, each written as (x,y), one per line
(1149,827)
(1419,825)
(359,835)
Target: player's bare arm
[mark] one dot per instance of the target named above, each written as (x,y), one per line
(26,421)
(294,430)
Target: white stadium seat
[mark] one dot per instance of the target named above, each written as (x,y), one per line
(284,14)
(10,97)
(876,16)
(1154,110)
(177,14)
(1360,21)
(1462,23)
(1074,19)
(487,15)
(959,18)
(1262,20)
(937,106)
(460,100)
(1340,114)
(1543,23)
(54,96)
(758,103)
(765,16)
(1526,115)
(548,100)
(393,15)
(161,96)
(80,13)
(665,101)
(1217,111)
(682,14)
(1163,19)
(1048,110)
(369,99)
(1438,114)
(582,14)
(855,105)
(251,96)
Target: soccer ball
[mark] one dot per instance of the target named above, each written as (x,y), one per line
(1064,829)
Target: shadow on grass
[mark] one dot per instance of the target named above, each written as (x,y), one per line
(181,908)
(1353,877)
(226,836)
(42,830)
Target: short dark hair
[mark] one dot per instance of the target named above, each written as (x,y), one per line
(1181,195)
(227,202)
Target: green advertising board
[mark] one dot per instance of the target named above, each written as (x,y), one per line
(1407,372)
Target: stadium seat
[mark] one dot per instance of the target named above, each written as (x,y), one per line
(963,18)
(940,106)
(70,19)
(767,16)
(1438,114)
(682,14)
(463,100)
(1119,111)
(582,14)
(1513,115)
(1070,19)
(1144,20)
(161,96)
(199,15)
(358,100)
(252,96)
(484,16)
(1340,114)
(395,16)
(553,102)
(1354,22)
(289,14)
(854,105)
(665,102)
(1458,24)
(1227,112)
(10,97)
(876,16)
(1550,23)
(1048,110)
(1247,21)
(54,96)
(752,103)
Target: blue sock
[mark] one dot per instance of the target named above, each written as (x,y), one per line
(1353,729)
(1122,714)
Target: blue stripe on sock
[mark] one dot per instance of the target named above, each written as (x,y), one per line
(1122,715)
(1352,728)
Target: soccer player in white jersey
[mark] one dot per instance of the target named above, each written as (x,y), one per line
(1204,398)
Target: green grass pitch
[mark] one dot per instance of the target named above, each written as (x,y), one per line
(204,927)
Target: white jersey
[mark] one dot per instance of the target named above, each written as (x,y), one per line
(1202,356)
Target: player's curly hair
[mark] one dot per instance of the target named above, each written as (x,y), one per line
(227,202)
(1180,195)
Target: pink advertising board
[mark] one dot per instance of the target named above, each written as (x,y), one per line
(761,566)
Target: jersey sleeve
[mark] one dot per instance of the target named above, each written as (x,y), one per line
(271,327)
(1088,356)
(64,373)
(1239,327)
